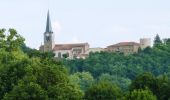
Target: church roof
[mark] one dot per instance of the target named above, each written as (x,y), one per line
(48,24)
(68,46)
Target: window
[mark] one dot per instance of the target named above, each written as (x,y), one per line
(59,55)
(66,55)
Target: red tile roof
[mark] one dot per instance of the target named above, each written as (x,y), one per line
(68,46)
(125,44)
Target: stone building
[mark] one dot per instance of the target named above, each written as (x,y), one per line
(77,50)
(129,47)
(93,50)
(62,50)
(125,47)
(145,42)
(82,50)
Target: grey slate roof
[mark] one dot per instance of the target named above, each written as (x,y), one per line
(48,24)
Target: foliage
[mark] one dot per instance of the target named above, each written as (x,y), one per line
(163,87)
(103,91)
(36,53)
(31,75)
(143,81)
(157,41)
(159,86)
(28,74)
(140,94)
(27,91)
(142,68)
(83,79)
(122,82)
(10,42)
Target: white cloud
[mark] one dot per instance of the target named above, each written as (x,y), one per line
(56,26)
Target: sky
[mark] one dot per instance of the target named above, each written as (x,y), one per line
(98,22)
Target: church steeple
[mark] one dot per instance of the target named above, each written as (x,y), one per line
(48,24)
(48,35)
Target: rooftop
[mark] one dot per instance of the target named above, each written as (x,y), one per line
(68,46)
(125,44)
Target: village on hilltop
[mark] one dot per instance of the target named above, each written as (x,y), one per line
(82,50)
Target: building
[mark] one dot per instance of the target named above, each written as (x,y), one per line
(82,50)
(145,42)
(125,47)
(77,50)
(129,47)
(93,50)
(70,51)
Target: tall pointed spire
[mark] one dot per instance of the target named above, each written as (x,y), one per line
(48,24)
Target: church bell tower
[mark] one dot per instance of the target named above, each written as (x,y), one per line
(48,36)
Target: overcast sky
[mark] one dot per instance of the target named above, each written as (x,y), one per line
(98,22)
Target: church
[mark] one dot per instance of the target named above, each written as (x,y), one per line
(82,50)
(70,51)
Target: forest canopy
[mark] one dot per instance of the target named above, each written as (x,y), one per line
(28,74)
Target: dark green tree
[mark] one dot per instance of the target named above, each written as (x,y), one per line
(24,77)
(157,41)
(140,94)
(26,91)
(103,91)
(84,80)
(143,81)
(163,82)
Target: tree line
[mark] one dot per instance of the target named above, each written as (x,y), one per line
(28,74)
(144,73)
